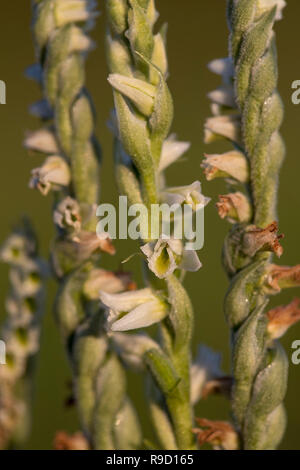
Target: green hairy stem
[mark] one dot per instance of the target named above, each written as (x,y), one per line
(259,363)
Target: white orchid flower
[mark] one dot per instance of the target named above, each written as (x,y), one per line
(190,194)
(167,254)
(53,174)
(133,310)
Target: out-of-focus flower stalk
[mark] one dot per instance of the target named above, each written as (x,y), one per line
(20,333)
(71,170)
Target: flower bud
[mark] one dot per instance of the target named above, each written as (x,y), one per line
(231,164)
(141,93)
(71,11)
(53,174)
(159,59)
(117,14)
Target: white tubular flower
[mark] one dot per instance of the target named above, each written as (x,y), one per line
(141,93)
(133,310)
(206,367)
(223,96)
(264,5)
(172,150)
(186,195)
(133,347)
(14,368)
(106,281)
(42,140)
(235,207)
(53,174)
(22,340)
(166,255)
(223,67)
(27,282)
(231,164)
(222,127)
(67,214)
(86,243)
(16,251)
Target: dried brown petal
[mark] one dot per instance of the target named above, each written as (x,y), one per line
(280,277)
(257,239)
(220,434)
(64,441)
(234,206)
(89,242)
(107,281)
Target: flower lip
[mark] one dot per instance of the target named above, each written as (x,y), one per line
(168,254)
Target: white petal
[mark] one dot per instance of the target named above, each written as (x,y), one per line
(142,316)
(126,301)
(221,66)
(176,246)
(172,198)
(147,249)
(190,261)
(171,151)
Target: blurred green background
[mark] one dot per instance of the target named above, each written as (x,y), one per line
(197,34)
